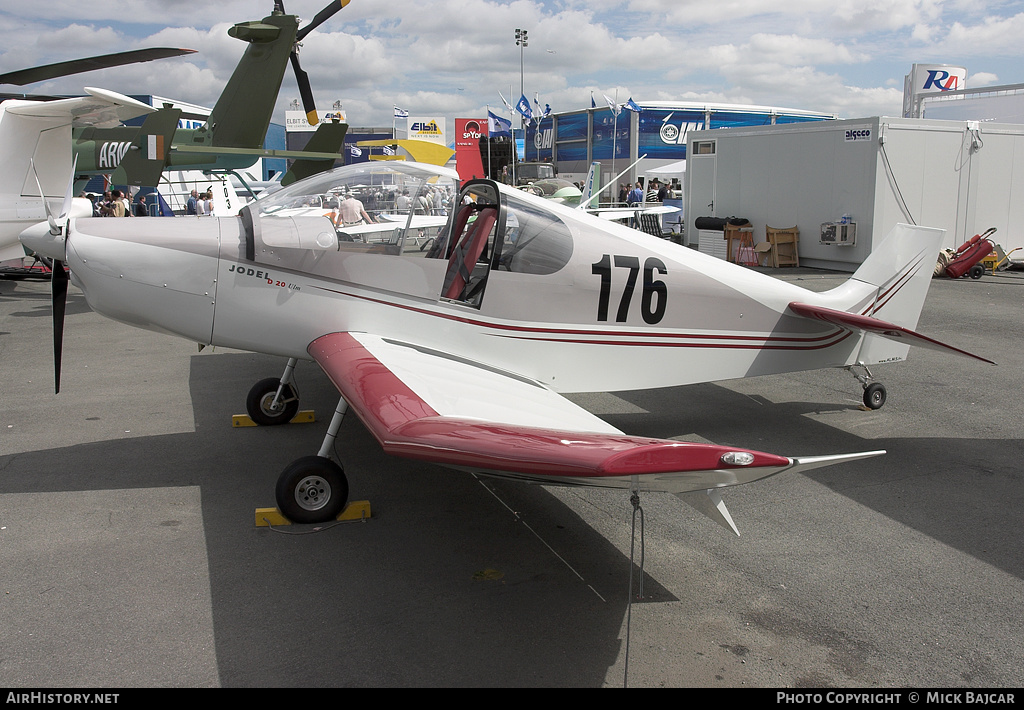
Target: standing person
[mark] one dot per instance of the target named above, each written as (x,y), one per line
(116,208)
(636,195)
(190,206)
(403,202)
(623,193)
(351,211)
(140,207)
(423,204)
(208,203)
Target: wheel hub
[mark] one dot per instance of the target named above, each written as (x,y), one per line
(313,493)
(267,404)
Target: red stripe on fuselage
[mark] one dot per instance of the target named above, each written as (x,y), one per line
(558,335)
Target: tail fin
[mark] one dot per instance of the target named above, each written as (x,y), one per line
(145,161)
(884,297)
(590,186)
(242,114)
(893,281)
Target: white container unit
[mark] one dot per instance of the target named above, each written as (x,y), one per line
(961,176)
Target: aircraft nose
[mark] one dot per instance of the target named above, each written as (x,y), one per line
(40,239)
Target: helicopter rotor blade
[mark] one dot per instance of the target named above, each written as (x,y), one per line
(305,91)
(321,17)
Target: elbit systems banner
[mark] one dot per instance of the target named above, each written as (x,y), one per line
(427,128)
(295,121)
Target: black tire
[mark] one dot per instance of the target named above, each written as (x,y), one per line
(312,490)
(976,272)
(260,397)
(874,395)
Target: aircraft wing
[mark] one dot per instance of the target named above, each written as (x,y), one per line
(390,225)
(432,406)
(626,212)
(101,108)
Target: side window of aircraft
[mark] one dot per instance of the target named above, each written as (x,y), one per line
(535,241)
(494,231)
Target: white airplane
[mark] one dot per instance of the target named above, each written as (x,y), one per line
(564,192)
(35,150)
(460,354)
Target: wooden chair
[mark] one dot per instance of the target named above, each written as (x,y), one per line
(784,246)
(742,235)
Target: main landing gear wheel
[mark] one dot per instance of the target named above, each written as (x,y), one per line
(259,403)
(312,489)
(874,395)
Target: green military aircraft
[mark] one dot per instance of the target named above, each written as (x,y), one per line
(232,137)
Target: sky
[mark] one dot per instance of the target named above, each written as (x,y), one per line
(456,58)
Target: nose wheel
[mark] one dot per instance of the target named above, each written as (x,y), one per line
(273,401)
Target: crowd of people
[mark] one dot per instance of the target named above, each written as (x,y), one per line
(199,204)
(116,203)
(657,191)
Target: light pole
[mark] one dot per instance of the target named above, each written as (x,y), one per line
(521,37)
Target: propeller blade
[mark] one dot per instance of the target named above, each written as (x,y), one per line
(308,105)
(58,302)
(321,17)
(69,192)
(54,229)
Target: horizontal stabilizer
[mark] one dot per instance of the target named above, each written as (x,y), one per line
(867,324)
(329,138)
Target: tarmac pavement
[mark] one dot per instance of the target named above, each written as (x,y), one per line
(131,559)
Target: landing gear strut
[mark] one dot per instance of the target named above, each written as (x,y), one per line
(874,392)
(314,489)
(273,401)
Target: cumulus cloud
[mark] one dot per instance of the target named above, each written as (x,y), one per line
(450,56)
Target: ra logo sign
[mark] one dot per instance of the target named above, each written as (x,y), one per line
(941,80)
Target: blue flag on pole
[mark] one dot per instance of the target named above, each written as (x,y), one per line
(498,126)
(523,107)
(631,105)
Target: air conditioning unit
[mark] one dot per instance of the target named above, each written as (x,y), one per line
(839,233)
